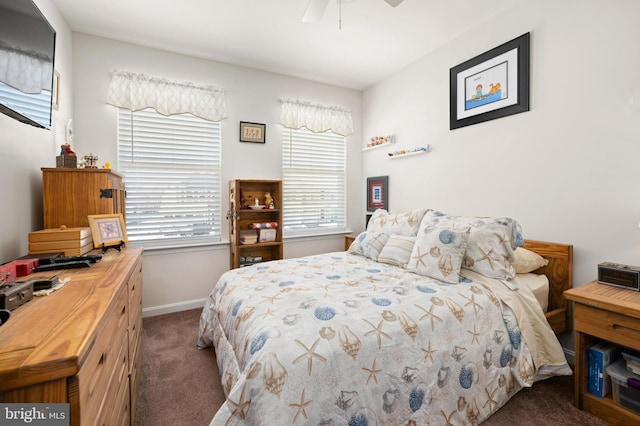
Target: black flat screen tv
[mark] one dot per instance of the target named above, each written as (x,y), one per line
(27,51)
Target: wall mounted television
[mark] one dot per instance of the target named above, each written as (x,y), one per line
(27,51)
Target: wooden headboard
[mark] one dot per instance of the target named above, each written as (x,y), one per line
(560,274)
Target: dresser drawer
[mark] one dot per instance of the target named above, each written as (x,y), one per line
(134,283)
(134,377)
(117,402)
(607,325)
(92,381)
(135,337)
(135,309)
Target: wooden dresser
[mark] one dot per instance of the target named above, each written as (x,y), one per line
(81,345)
(70,195)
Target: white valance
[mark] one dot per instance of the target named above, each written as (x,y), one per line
(29,72)
(136,92)
(317,118)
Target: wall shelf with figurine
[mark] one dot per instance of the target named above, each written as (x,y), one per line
(408,153)
(255,221)
(379,142)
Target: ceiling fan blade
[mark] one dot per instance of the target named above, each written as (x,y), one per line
(315,10)
(394,3)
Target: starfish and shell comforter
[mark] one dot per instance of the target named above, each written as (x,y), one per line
(340,339)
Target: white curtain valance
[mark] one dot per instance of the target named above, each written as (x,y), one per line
(317,118)
(136,92)
(29,72)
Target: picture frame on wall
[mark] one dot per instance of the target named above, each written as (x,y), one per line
(377,193)
(55,98)
(252,132)
(492,85)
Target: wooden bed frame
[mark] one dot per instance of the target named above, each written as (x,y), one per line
(560,274)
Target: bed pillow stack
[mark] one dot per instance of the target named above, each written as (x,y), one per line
(491,242)
(439,245)
(390,236)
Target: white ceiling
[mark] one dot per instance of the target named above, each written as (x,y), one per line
(375,40)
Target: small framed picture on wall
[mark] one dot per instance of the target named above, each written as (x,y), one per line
(252,132)
(377,193)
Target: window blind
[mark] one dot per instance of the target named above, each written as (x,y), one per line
(172,174)
(314,182)
(36,106)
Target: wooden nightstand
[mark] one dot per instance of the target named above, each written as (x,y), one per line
(348,239)
(610,314)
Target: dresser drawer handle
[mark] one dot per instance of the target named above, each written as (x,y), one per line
(624,327)
(97,373)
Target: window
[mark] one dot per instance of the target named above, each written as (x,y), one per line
(172,173)
(36,106)
(314,182)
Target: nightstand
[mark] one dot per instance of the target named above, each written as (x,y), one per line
(348,239)
(610,314)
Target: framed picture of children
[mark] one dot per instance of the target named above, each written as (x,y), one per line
(492,85)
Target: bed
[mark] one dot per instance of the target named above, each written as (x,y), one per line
(372,336)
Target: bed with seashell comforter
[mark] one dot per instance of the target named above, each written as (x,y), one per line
(364,337)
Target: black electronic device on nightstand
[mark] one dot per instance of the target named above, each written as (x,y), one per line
(618,275)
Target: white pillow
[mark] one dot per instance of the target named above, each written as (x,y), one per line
(527,261)
(406,224)
(397,251)
(369,244)
(438,252)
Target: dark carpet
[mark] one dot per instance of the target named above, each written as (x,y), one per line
(180,385)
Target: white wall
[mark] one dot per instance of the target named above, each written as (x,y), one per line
(179,277)
(25,149)
(567,169)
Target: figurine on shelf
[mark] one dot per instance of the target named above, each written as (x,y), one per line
(67,157)
(89,161)
(65,149)
(268,200)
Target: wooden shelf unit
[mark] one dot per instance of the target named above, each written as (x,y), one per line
(603,313)
(70,195)
(242,193)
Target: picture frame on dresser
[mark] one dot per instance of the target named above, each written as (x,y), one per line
(108,229)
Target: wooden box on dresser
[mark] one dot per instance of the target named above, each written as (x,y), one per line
(70,195)
(603,313)
(81,345)
(242,194)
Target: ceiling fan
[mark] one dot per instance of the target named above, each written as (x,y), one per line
(316,8)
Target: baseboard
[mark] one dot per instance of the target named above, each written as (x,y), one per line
(153,311)
(570,355)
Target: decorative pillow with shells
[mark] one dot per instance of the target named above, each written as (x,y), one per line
(491,245)
(405,224)
(438,252)
(369,244)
